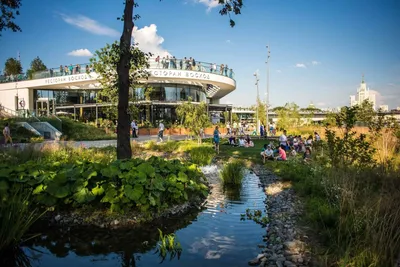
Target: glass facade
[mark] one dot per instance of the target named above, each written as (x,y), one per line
(173,93)
(162,93)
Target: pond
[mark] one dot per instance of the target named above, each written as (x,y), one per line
(214,236)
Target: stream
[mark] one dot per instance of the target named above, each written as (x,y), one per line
(213,236)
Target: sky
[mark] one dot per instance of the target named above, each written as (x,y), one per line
(319,48)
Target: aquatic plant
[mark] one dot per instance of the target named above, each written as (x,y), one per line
(202,155)
(256,216)
(233,172)
(168,244)
(16,217)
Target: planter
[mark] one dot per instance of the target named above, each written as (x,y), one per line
(144,131)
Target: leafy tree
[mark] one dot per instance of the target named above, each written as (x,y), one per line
(227,119)
(105,62)
(36,65)
(12,67)
(288,116)
(262,112)
(351,149)
(9,9)
(365,113)
(193,116)
(125,60)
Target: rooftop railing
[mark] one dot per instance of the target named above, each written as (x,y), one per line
(170,63)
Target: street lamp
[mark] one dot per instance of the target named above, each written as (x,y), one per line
(257,127)
(267,101)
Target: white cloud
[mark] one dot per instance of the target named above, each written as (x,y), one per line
(89,25)
(228,41)
(149,41)
(80,53)
(210,4)
(300,65)
(315,62)
(278,71)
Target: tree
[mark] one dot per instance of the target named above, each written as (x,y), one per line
(262,112)
(125,60)
(193,117)
(36,65)
(365,113)
(9,9)
(105,62)
(12,67)
(288,116)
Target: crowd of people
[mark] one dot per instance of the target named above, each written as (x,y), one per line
(291,145)
(191,64)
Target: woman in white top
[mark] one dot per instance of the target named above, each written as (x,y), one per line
(241,141)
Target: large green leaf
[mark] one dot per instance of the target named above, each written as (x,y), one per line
(111,195)
(182,177)
(152,200)
(39,189)
(126,165)
(89,174)
(79,184)
(83,196)
(110,171)
(60,178)
(147,169)
(98,191)
(158,184)
(46,199)
(57,190)
(140,177)
(133,193)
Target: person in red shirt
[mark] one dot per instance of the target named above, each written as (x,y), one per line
(282,153)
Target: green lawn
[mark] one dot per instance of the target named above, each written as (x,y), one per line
(247,153)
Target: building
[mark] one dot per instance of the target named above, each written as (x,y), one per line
(363,94)
(64,91)
(384,108)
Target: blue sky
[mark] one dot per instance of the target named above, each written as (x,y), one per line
(343,38)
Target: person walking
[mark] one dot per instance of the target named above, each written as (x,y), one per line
(161,131)
(7,134)
(216,139)
(134,129)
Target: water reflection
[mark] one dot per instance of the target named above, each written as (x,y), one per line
(214,236)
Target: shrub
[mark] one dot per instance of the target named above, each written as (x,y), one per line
(202,155)
(77,131)
(233,172)
(120,186)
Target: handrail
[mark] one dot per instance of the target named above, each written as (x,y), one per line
(163,63)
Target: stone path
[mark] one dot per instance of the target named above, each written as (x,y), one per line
(286,245)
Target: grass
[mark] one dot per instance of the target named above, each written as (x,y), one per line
(78,131)
(16,217)
(233,172)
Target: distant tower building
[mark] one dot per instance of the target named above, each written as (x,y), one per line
(363,93)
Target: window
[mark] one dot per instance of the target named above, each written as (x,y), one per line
(170,93)
(183,91)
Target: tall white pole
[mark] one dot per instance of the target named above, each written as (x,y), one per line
(267,102)
(257,127)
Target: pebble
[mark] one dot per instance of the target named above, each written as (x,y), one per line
(284,247)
